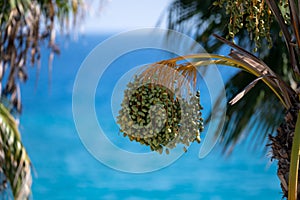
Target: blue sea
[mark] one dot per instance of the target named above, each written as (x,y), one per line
(64,169)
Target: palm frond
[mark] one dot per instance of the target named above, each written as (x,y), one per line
(254,118)
(240,95)
(14,161)
(197,19)
(208,20)
(24,27)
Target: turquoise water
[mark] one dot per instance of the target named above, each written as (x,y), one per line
(64,169)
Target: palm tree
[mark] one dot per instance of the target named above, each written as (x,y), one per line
(251,24)
(24,27)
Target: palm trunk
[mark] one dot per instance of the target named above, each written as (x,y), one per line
(281,146)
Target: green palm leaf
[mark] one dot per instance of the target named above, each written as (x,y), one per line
(14,161)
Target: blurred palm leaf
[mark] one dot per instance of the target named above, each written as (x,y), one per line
(14,161)
(24,27)
(258,113)
(258,110)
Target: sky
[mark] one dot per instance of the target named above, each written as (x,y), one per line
(122,15)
